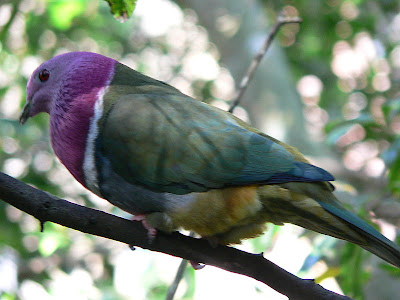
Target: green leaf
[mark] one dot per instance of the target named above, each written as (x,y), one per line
(122,9)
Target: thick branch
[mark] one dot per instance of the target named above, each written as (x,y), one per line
(50,208)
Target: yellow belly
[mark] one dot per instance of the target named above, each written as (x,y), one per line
(217,212)
(232,214)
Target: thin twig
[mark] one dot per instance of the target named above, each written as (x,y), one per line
(258,57)
(178,277)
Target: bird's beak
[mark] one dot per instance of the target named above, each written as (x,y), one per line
(25,113)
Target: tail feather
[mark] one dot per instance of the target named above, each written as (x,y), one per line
(345,225)
(371,240)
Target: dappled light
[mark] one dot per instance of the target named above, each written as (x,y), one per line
(344,67)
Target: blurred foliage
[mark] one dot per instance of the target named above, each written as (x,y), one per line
(345,61)
(354,276)
(352,48)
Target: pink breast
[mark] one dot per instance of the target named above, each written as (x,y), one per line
(69,134)
(71,115)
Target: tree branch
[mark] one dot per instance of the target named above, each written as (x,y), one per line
(46,207)
(258,57)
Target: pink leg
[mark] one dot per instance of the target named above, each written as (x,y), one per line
(151,231)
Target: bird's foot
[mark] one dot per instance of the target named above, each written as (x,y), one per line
(151,231)
(196,265)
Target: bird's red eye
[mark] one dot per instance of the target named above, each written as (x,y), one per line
(44,75)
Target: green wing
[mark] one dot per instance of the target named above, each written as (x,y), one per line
(173,143)
(155,136)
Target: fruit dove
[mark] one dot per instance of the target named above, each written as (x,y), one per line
(181,163)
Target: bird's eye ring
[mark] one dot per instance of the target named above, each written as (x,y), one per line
(44,75)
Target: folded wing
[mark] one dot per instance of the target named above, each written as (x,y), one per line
(173,143)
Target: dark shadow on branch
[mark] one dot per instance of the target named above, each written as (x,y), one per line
(46,207)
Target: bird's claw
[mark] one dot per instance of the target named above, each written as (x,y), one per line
(196,265)
(151,231)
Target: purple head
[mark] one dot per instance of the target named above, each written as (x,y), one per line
(74,72)
(67,87)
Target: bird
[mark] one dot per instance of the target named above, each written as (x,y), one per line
(175,162)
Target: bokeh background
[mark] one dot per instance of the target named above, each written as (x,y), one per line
(330,86)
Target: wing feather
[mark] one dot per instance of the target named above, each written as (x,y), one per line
(173,143)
